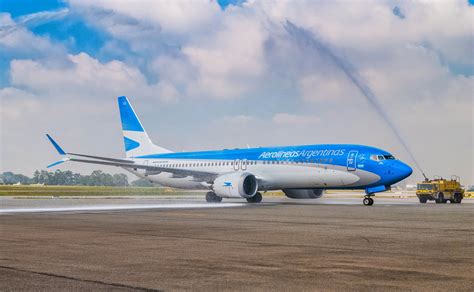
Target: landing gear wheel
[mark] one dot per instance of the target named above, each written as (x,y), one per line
(368,201)
(440,199)
(257,198)
(211,197)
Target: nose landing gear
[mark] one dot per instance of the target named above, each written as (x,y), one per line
(368,201)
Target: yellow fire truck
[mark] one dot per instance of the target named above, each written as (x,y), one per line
(440,190)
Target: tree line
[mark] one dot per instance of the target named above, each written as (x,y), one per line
(69,178)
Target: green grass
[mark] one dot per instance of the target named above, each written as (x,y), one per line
(25,190)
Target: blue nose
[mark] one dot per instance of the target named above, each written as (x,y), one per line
(403,170)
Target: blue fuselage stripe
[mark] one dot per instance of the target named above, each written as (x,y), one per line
(336,154)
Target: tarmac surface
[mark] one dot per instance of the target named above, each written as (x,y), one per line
(282,244)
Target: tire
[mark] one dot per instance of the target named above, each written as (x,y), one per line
(457,198)
(257,198)
(211,197)
(423,200)
(440,199)
(367,202)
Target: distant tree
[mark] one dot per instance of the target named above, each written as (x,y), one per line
(10,178)
(43,177)
(36,176)
(120,180)
(142,183)
(58,177)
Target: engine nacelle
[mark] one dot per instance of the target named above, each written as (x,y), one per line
(303,193)
(236,185)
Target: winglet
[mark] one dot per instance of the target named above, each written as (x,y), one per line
(58,148)
(58,162)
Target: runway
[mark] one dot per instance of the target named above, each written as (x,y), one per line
(12,205)
(282,244)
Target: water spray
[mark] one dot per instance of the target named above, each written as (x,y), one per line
(307,39)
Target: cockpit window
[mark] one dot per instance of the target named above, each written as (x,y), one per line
(381,157)
(374,157)
(425,187)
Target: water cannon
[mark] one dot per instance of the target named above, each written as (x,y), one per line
(426,178)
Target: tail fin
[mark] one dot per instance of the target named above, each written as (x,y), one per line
(135,138)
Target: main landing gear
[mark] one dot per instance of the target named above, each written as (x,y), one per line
(211,197)
(368,201)
(257,198)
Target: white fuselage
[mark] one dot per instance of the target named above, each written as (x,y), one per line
(272,174)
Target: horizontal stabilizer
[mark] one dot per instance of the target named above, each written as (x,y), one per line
(57,162)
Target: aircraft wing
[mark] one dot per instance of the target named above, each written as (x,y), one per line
(131,164)
(151,169)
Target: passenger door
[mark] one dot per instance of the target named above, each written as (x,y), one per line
(352,160)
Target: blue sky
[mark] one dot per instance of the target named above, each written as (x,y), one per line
(224,74)
(72,30)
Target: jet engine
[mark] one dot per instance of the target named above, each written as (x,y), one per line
(236,185)
(303,193)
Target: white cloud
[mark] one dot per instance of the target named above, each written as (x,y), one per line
(16,39)
(295,120)
(172,16)
(86,77)
(16,104)
(322,87)
(229,60)
(239,120)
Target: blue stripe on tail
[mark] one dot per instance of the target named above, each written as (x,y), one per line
(130,121)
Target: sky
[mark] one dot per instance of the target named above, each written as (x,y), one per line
(223,74)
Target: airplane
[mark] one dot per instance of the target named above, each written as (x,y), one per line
(301,172)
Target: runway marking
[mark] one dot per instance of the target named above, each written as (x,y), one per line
(119,208)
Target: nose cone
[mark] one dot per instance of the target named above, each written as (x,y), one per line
(403,170)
